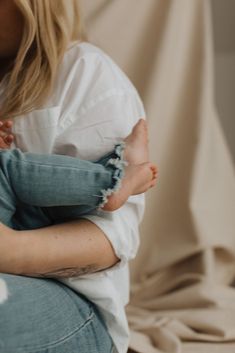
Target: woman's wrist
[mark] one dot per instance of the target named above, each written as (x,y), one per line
(11,250)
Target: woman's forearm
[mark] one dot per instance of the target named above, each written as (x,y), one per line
(64,250)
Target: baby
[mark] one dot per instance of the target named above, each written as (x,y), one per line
(54,188)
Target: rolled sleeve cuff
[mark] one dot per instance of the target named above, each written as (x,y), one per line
(123,237)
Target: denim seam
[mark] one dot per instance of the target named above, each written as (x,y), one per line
(113,349)
(55,165)
(58,342)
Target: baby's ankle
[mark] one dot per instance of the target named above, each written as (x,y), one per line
(113,203)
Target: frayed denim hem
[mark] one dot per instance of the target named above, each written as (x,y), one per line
(118,165)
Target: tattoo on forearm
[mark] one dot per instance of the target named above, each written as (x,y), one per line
(66,272)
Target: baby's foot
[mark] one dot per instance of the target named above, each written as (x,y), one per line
(138,179)
(140,175)
(136,150)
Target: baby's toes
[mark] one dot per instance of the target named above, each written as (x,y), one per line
(154,169)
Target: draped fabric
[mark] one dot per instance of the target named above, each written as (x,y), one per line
(182,298)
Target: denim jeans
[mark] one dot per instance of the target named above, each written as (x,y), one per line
(38,190)
(44,315)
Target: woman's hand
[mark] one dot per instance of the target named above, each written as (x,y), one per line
(6,136)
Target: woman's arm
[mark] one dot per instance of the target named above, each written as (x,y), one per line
(65,250)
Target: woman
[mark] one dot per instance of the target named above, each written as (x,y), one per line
(66,97)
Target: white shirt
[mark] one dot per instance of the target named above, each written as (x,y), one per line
(93,106)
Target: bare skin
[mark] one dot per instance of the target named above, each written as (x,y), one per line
(6,137)
(67,249)
(11,32)
(140,175)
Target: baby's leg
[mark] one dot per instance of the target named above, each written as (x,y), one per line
(56,180)
(38,190)
(50,181)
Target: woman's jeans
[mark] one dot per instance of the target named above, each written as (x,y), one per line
(44,315)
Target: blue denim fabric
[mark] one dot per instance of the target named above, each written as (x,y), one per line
(45,316)
(39,190)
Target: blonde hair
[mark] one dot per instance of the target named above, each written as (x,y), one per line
(49,27)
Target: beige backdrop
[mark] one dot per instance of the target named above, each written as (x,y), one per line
(181,298)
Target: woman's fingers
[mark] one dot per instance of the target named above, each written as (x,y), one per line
(6,125)
(3,144)
(9,139)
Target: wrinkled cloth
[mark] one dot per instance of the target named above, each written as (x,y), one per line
(92,108)
(182,299)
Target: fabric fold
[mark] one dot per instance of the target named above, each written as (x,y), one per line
(182,295)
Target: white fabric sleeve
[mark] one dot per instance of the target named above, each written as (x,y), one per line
(92,131)
(121,228)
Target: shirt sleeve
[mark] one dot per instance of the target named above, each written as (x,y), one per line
(91,132)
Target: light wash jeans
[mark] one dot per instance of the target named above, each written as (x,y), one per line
(44,315)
